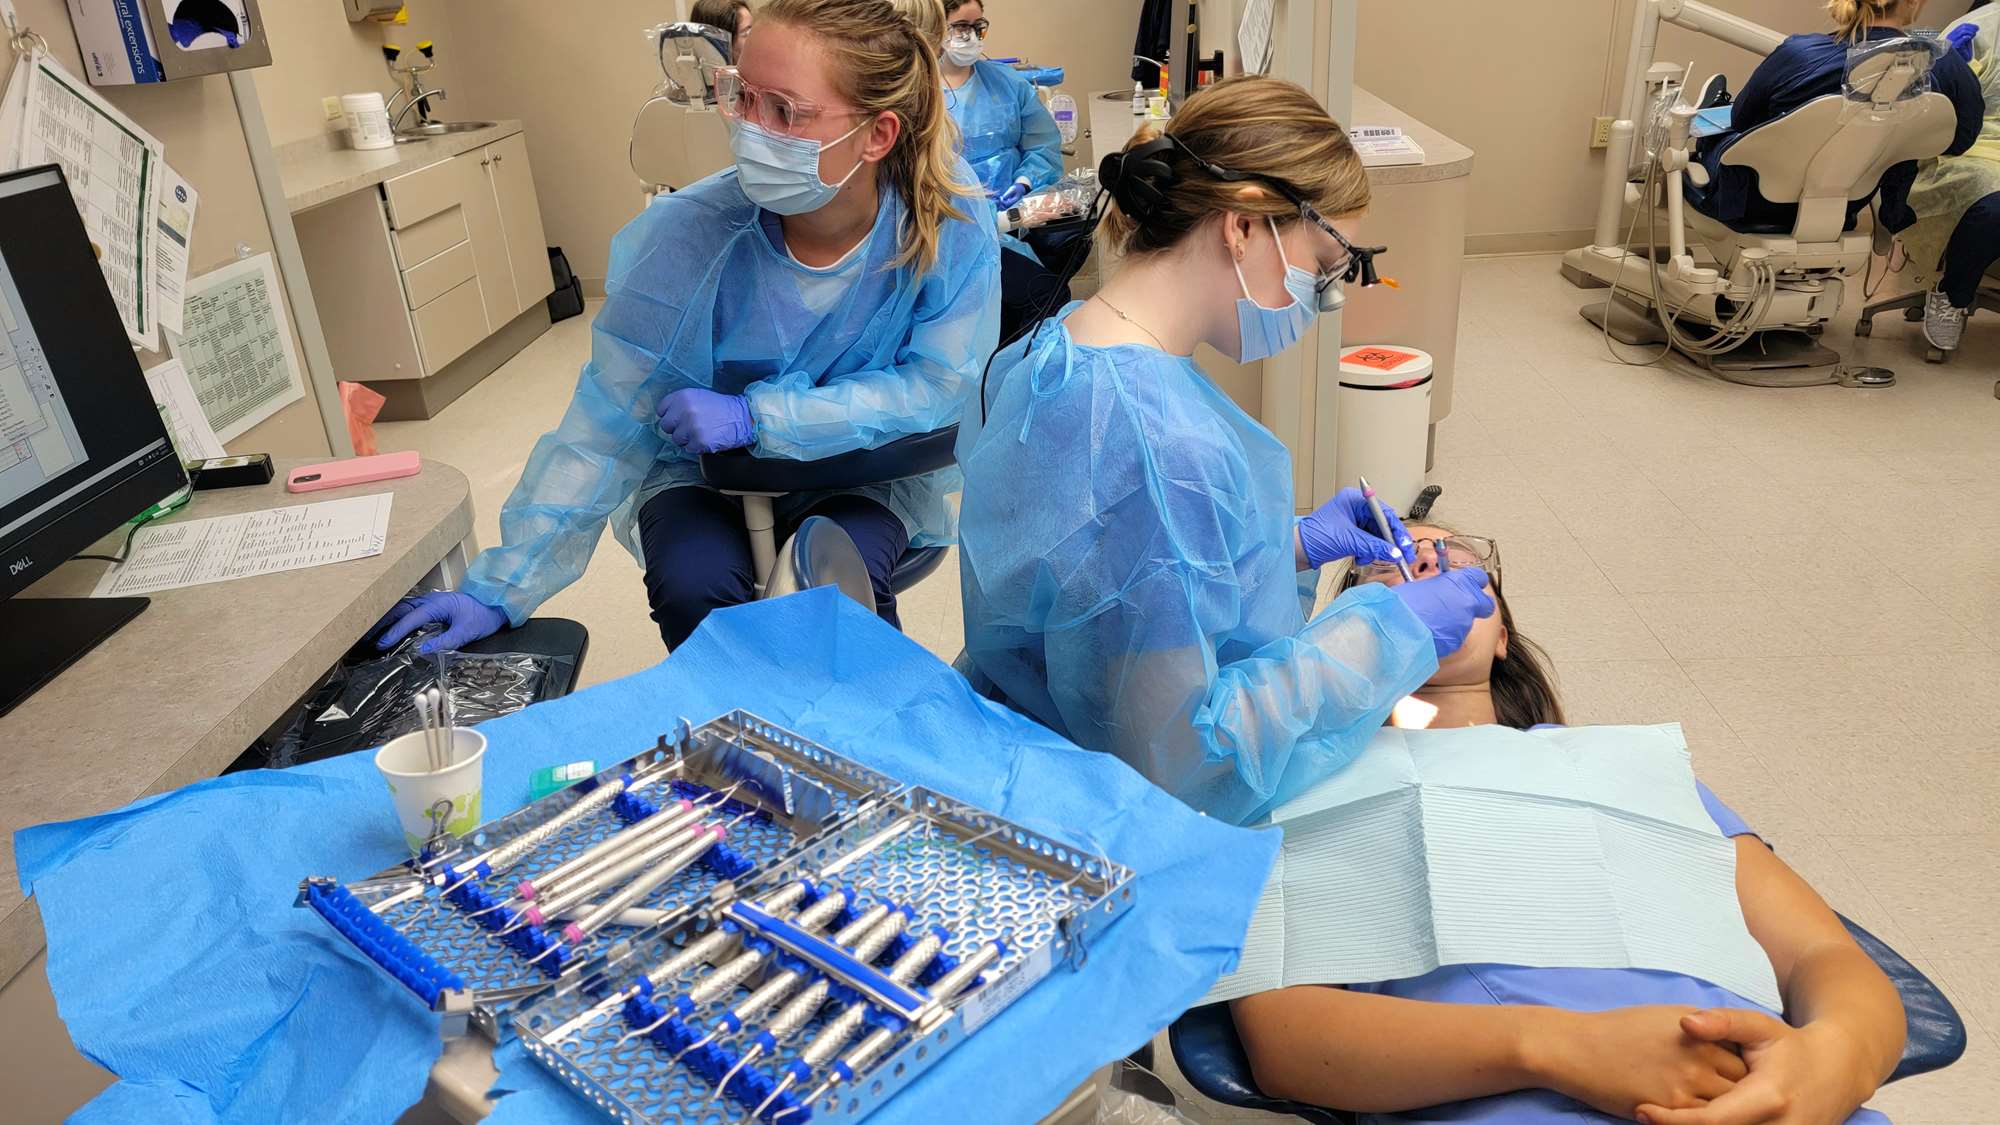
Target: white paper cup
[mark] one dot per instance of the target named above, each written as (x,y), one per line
(424,798)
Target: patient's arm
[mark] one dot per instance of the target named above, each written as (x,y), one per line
(1381,1054)
(1846,1023)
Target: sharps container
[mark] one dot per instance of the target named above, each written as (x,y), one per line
(1385,418)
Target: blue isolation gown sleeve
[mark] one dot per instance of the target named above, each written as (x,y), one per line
(1127,568)
(1041,143)
(955,326)
(596,456)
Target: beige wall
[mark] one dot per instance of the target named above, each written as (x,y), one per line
(196,120)
(1520,82)
(578,111)
(316,53)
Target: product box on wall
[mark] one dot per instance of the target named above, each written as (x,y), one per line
(126,42)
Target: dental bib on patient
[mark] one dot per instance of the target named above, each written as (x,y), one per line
(1581,847)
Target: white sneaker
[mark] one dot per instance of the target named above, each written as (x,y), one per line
(1944,323)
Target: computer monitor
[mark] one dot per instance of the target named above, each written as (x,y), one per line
(82,446)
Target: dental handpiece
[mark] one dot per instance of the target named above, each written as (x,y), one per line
(497,860)
(1388,531)
(793,1017)
(869,1049)
(583,888)
(543,886)
(726,975)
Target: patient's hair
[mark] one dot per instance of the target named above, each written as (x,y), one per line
(1851,18)
(1263,127)
(1523,687)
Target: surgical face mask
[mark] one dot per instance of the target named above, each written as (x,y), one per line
(962,50)
(780,173)
(1266,332)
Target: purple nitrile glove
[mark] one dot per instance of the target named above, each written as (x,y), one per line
(1448,604)
(464,617)
(1013,194)
(1344,527)
(704,421)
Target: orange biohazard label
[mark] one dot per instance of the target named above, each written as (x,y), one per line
(1382,359)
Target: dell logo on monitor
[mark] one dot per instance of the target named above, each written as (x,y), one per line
(18,566)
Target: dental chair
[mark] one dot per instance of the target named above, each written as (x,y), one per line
(819,553)
(1757,297)
(1208,1051)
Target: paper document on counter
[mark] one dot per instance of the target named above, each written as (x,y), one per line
(113,169)
(238,346)
(1384,146)
(170,266)
(197,552)
(194,440)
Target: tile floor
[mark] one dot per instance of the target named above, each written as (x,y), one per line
(1741,561)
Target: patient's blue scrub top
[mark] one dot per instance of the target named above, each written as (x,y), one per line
(1577,990)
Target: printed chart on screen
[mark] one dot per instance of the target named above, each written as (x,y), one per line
(38,439)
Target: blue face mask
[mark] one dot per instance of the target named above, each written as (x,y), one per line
(780,173)
(1266,332)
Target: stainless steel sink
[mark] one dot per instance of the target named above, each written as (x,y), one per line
(438,129)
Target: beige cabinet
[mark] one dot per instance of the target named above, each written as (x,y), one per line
(417,272)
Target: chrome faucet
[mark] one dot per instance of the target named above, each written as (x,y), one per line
(420,101)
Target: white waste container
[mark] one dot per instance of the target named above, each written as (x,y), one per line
(1385,417)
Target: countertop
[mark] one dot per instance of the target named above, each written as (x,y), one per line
(1112,124)
(320,169)
(176,695)
(1444,158)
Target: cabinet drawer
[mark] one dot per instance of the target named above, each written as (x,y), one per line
(425,283)
(418,195)
(449,325)
(423,241)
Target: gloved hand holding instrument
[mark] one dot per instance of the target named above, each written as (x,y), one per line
(1337,531)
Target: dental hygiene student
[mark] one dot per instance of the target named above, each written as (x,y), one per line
(1130,561)
(1010,139)
(836,290)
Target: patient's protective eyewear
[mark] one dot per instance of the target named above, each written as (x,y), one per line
(1459,550)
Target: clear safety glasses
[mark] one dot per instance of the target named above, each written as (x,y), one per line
(775,110)
(976,28)
(1459,551)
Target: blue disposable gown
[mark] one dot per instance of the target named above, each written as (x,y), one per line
(702,293)
(1127,568)
(1008,133)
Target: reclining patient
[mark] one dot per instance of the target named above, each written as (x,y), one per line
(1499,1043)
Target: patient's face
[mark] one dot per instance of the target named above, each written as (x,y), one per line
(1473,662)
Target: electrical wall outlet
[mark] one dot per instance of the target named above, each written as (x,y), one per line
(1600,132)
(331,108)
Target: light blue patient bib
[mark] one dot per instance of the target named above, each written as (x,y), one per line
(1577,847)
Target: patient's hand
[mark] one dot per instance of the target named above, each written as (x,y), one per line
(1798,1075)
(1619,1060)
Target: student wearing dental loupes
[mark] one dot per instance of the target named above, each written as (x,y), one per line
(1130,563)
(835,290)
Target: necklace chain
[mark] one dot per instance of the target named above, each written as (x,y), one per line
(1121,316)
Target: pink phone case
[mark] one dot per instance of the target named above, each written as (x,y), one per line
(354,470)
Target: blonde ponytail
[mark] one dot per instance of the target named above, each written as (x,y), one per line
(884,63)
(1852,18)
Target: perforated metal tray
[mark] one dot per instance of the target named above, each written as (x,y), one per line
(976,875)
(402,920)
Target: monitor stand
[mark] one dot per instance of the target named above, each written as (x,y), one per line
(46,635)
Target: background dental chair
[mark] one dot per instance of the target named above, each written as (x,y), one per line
(677,135)
(1208,1052)
(819,553)
(1759,295)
